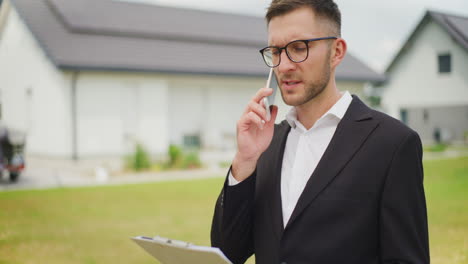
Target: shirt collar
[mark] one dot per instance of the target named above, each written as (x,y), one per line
(338,110)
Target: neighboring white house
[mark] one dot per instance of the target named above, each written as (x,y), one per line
(89,78)
(427,82)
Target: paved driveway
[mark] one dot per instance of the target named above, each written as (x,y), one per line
(46,174)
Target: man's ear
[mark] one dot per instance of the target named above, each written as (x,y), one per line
(338,52)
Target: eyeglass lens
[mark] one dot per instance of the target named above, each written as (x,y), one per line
(296,51)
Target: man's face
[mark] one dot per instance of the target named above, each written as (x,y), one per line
(301,82)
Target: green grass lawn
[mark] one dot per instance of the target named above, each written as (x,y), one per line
(446,183)
(93,225)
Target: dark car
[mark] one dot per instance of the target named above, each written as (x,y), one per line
(11,153)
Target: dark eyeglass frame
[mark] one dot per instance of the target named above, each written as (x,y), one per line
(306,42)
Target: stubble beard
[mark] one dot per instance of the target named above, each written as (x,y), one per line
(312,90)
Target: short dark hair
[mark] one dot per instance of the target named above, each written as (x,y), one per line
(326,9)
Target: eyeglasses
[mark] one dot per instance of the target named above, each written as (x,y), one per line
(297,51)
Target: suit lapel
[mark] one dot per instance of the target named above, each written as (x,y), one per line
(274,183)
(352,131)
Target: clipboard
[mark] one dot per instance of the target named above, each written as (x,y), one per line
(168,251)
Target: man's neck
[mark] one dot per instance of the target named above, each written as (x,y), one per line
(310,112)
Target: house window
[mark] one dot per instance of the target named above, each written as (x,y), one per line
(192,141)
(445,63)
(404,116)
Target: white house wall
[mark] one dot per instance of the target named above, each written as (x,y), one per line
(35,96)
(415,81)
(117,110)
(208,106)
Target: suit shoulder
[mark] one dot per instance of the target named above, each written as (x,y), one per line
(389,128)
(392,126)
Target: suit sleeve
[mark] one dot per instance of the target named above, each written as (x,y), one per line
(403,214)
(231,230)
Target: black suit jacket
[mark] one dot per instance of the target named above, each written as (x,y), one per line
(363,204)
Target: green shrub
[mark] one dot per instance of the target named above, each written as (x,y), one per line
(191,161)
(175,155)
(375,100)
(140,159)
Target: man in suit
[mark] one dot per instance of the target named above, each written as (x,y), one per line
(336,182)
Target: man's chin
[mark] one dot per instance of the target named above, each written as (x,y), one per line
(291,101)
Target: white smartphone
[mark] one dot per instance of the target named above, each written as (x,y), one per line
(270,100)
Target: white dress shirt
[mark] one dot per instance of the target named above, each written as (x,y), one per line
(303,151)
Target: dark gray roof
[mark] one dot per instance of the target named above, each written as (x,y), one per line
(455,25)
(112,35)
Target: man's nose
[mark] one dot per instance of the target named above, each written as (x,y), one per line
(286,64)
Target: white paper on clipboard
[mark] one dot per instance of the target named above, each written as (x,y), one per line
(168,251)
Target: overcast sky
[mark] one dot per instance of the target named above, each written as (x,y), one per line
(374,29)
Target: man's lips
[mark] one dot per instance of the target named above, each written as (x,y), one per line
(290,84)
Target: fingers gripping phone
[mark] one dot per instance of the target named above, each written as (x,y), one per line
(270,100)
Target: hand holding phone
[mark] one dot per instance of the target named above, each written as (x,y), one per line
(254,131)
